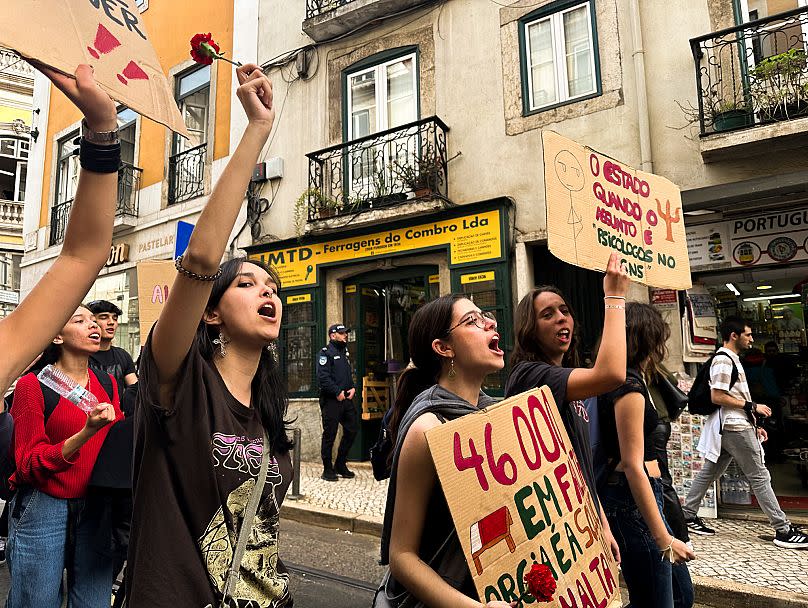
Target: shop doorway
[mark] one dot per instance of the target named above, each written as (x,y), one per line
(378,308)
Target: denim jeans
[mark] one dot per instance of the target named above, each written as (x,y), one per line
(653,582)
(38,553)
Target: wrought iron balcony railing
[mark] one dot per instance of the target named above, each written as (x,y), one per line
(186,174)
(752,74)
(60,213)
(379,170)
(128,190)
(320,7)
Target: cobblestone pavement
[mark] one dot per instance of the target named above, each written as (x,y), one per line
(741,551)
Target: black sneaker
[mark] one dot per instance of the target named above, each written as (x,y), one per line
(793,538)
(697,526)
(329,475)
(343,471)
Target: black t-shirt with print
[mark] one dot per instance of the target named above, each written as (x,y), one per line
(528,375)
(116,362)
(196,461)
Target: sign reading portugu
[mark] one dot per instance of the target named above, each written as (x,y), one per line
(596,205)
(107,34)
(518,496)
(471,238)
(154,280)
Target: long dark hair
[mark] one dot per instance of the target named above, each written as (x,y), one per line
(268,387)
(429,322)
(646,334)
(527,346)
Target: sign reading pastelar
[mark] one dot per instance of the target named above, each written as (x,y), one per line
(596,205)
(106,34)
(154,281)
(518,496)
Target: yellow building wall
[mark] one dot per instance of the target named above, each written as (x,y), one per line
(9,114)
(171,26)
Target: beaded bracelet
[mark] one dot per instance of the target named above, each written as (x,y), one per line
(98,158)
(616,306)
(193,275)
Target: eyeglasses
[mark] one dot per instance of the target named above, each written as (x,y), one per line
(480,319)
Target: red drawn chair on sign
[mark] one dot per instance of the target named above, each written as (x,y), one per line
(489,531)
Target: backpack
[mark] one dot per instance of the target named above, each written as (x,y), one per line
(7,463)
(699,400)
(382,450)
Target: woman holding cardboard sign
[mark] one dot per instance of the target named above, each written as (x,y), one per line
(39,317)
(654,561)
(454,346)
(545,353)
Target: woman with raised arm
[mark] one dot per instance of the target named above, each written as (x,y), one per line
(212,462)
(31,326)
(654,561)
(545,353)
(454,346)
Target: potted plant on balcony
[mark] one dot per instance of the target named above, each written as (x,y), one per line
(423,175)
(383,188)
(729,115)
(313,199)
(778,85)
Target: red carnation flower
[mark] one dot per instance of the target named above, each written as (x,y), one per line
(204,48)
(540,583)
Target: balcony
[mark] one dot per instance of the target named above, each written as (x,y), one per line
(752,86)
(385,169)
(60,213)
(327,19)
(186,174)
(126,211)
(11,213)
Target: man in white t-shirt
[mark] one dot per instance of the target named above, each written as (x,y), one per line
(730,432)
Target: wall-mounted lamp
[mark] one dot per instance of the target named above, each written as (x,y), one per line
(34,134)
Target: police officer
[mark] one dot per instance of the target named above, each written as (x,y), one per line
(336,401)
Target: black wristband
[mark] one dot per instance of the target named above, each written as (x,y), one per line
(98,158)
(749,407)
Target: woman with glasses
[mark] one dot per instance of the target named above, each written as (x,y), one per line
(31,326)
(545,354)
(453,346)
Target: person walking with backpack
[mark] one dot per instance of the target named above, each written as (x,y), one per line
(730,432)
(53,524)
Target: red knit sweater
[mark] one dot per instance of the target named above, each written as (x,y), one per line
(38,447)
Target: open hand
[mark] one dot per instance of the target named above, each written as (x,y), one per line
(763,410)
(615,283)
(100,416)
(680,552)
(255,94)
(97,107)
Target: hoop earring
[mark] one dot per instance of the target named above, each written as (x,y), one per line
(452,373)
(222,341)
(272,347)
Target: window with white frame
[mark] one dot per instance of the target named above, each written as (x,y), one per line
(13,168)
(559,55)
(193,98)
(142,4)
(67,171)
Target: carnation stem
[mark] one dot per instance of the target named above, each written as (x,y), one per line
(235,63)
(521,598)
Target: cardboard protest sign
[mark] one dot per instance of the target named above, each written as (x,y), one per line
(154,281)
(596,205)
(107,34)
(517,495)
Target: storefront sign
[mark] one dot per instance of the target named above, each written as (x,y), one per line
(153,245)
(434,278)
(350,289)
(470,238)
(517,495)
(107,34)
(154,280)
(9,297)
(596,205)
(118,254)
(477,277)
(772,238)
(708,246)
(299,299)
(664,299)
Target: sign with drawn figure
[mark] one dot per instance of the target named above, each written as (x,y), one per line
(596,205)
(518,496)
(154,281)
(474,237)
(107,34)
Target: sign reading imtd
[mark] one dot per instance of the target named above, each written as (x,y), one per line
(107,34)
(596,205)
(518,496)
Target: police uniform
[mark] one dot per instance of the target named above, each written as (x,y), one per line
(335,375)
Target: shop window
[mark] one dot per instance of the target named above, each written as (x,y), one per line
(559,55)
(297,344)
(187,163)
(117,288)
(13,168)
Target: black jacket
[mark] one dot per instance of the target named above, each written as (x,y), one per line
(334,369)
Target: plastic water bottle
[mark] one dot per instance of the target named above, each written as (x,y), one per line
(65,387)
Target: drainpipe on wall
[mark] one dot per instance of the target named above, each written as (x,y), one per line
(638,54)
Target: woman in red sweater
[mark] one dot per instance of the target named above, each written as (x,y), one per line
(52,526)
